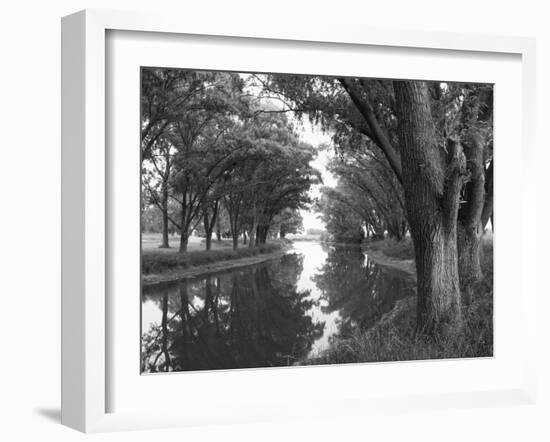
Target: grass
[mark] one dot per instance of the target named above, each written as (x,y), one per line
(154,261)
(393,338)
(394,249)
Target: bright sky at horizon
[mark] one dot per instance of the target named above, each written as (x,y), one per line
(313,135)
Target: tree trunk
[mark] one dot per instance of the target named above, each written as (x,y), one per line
(218,231)
(184,315)
(257,236)
(235,237)
(432,190)
(164,327)
(184,240)
(165,244)
(253,240)
(262,234)
(209,222)
(469,262)
(438,285)
(379,232)
(470,228)
(244,238)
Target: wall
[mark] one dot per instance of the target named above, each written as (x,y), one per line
(30,221)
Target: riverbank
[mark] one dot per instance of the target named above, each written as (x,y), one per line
(392,338)
(398,255)
(162,267)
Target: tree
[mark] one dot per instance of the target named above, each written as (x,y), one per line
(209,215)
(156,181)
(409,122)
(433,181)
(201,157)
(476,207)
(343,224)
(369,188)
(289,221)
(271,173)
(176,105)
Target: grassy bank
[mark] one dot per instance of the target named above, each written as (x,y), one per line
(394,249)
(393,339)
(161,261)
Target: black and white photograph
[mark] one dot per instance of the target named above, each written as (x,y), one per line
(291,220)
(244,221)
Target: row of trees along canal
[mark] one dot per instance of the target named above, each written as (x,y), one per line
(215,159)
(410,156)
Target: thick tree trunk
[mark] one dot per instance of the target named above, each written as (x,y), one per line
(470,228)
(235,237)
(436,253)
(209,240)
(432,191)
(378,232)
(469,258)
(244,238)
(261,236)
(184,240)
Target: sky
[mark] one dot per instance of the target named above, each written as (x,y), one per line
(313,135)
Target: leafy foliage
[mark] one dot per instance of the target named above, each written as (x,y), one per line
(211,151)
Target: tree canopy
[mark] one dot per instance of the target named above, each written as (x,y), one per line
(208,148)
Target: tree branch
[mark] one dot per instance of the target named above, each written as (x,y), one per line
(376,132)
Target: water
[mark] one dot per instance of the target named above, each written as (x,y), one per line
(276,313)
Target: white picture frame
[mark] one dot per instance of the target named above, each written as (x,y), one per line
(85,234)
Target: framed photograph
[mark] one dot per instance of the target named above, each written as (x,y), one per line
(266,222)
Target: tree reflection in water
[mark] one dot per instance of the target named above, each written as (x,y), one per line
(360,290)
(254,317)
